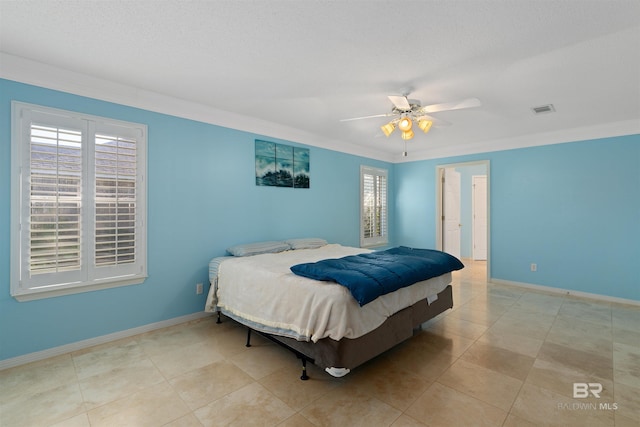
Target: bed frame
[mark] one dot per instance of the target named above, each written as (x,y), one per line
(351,353)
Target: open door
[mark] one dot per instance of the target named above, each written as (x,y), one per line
(479,217)
(454,199)
(451,212)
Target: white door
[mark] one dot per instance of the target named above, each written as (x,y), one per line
(479,217)
(451,212)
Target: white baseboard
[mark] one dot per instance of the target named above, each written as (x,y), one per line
(79,345)
(570,292)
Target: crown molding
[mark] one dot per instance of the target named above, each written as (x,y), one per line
(606,130)
(35,73)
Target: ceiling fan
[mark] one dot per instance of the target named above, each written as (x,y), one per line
(407,111)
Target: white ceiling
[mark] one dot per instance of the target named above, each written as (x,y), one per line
(298,67)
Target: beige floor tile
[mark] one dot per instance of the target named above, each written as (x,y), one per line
(517,343)
(500,360)
(589,364)
(484,384)
(427,364)
(543,301)
(453,325)
(626,336)
(260,360)
(476,315)
(120,382)
(202,386)
(36,377)
(626,362)
(228,338)
(583,328)
(625,317)
(193,356)
(168,339)
(560,379)
(81,420)
(622,421)
(189,420)
(494,305)
(42,408)
(546,408)
(350,406)
(287,386)
(525,323)
(107,357)
(406,421)
(442,406)
(153,406)
(513,421)
(389,383)
(580,335)
(433,341)
(250,405)
(628,400)
(504,291)
(201,374)
(587,311)
(296,420)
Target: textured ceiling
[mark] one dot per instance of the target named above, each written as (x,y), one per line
(301,66)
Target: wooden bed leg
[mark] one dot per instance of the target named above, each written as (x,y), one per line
(219,320)
(248,338)
(304,375)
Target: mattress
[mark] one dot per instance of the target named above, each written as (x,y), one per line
(261,292)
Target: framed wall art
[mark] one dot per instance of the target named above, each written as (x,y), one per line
(280,165)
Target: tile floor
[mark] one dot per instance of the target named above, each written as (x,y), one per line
(504,356)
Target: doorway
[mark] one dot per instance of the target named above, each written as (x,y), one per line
(479,217)
(462,210)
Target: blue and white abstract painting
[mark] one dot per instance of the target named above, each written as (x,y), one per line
(281,165)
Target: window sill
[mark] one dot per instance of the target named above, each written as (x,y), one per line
(370,245)
(24,295)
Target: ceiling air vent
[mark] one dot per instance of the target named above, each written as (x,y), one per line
(543,109)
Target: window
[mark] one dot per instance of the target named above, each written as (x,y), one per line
(373,205)
(78,202)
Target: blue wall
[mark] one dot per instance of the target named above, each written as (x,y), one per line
(202,198)
(573,209)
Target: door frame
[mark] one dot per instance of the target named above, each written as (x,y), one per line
(474,222)
(439,200)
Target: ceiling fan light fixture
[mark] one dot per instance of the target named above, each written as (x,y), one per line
(388,128)
(407,134)
(425,125)
(405,124)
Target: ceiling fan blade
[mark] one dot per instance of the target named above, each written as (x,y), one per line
(448,106)
(436,122)
(368,117)
(400,102)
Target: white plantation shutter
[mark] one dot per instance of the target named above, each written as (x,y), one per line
(78,202)
(373,193)
(55,193)
(115,208)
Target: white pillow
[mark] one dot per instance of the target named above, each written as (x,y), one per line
(249,249)
(308,243)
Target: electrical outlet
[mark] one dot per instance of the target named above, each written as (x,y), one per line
(534,267)
(199,288)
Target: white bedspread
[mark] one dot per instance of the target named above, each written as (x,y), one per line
(262,292)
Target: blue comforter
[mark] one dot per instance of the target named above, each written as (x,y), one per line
(371,275)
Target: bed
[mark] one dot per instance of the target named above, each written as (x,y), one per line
(321,321)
